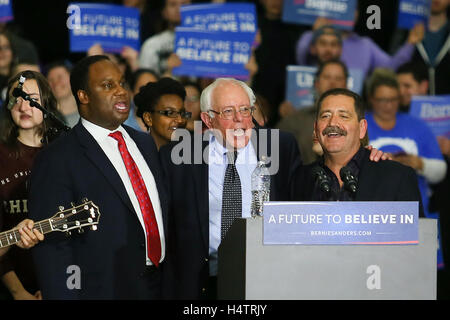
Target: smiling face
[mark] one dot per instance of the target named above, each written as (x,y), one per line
(23,115)
(106,102)
(337,126)
(237,130)
(163,126)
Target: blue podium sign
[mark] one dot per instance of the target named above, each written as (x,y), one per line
(341,223)
(435,111)
(6,13)
(341,13)
(111,26)
(411,12)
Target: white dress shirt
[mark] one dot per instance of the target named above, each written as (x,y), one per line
(110,147)
(245,164)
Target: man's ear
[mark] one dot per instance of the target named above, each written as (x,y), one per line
(147,118)
(423,85)
(83,96)
(362,128)
(206,119)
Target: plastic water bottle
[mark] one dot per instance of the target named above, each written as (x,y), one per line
(260,187)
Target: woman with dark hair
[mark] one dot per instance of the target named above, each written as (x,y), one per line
(160,105)
(23,132)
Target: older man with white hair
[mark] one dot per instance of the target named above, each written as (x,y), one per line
(204,194)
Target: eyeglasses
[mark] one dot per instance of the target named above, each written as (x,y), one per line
(229,113)
(174,114)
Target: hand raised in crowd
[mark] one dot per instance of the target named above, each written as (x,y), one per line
(172,62)
(416,34)
(320,22)
(96,49)
(131,57)
(29,237)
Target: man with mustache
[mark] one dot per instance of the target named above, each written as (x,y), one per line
(339,127)
(118,169)
(198,189)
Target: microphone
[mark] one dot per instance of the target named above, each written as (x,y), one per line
(350,181)
(322,180)
(15,94)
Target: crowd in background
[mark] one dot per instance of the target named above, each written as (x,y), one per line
(396,64)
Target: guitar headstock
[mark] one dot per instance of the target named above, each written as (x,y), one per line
(76,217)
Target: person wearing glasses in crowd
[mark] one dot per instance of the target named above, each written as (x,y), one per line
(160,105)
(214,183)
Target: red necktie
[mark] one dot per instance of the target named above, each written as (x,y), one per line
(151,227)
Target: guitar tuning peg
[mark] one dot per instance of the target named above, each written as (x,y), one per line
(61,208)
(84,200)
(68,233)
(94,227)
(72,204)
(80,230)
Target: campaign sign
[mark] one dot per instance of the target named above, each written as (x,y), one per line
(435,111)
(226,17)
(341,223)
(211,54)
(6,13)
(341,13)
(411,12)
(111,26)
(300,84)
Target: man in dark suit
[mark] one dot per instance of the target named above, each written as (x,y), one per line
(198,184)
(118,169)
(345,172)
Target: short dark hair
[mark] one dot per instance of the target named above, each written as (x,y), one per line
(418,71)
(80,74)
(381,77)
(359,104)
(149,95)
(136,74)
(57,64)
(332,61)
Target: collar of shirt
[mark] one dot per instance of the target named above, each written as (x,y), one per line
(100,134)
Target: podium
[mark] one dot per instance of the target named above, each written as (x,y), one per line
(249,270)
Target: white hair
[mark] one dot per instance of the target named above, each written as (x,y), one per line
(206,96)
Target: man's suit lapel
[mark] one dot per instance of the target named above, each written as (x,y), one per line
(99,159)
(201,185)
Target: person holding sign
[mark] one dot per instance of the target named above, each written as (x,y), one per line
(361,52)
(331,74)
(157,52)
(345,173)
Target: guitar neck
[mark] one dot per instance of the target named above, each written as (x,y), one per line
(10,237)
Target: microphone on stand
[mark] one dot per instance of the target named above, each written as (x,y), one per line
(350,181)
(321,178)
(15,94)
